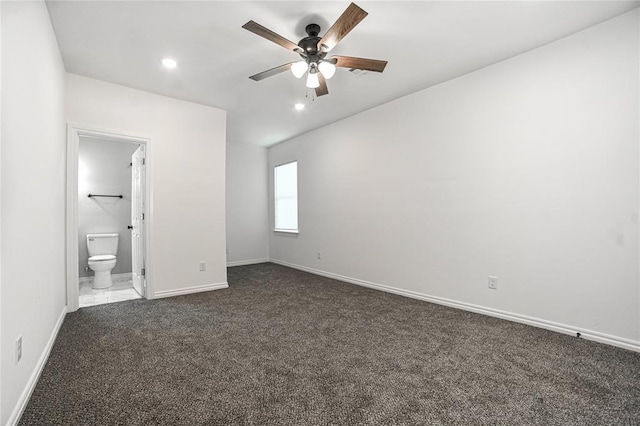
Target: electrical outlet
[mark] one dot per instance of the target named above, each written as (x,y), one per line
(203,265)
(319,255)
(18,349)
(493,282)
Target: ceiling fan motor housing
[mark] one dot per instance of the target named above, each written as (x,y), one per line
(312,30)
(309,45)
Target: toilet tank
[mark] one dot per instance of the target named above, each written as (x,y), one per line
(98,244)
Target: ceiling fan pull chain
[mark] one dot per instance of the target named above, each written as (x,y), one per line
(313,95)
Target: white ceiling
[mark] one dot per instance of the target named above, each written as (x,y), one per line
(425,42)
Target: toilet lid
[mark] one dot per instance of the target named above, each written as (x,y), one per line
(102,257)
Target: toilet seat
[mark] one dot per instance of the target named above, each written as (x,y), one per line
(102,258)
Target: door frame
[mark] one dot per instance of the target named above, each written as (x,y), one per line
(74,133)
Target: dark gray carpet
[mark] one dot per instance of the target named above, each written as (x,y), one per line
(283,347)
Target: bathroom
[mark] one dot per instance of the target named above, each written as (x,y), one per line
(105,171)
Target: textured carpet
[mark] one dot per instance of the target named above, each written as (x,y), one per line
(283,347)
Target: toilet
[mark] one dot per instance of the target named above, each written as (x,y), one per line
(102,250)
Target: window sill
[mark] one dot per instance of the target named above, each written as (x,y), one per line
(286,231)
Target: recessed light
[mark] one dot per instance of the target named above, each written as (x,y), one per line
(169,63)
(299,107)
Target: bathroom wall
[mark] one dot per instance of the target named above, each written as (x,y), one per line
(104,168)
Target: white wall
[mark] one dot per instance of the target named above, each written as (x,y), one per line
(527,170)
(104,168)
(247,214)
(33,197)
(187,166)
(1,120)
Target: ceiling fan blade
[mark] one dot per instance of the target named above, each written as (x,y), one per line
(322,89)
(360,63)
(271,72)
(258,29)
(345,23)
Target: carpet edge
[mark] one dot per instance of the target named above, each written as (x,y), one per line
(595,336)
(246,262)
(22,402)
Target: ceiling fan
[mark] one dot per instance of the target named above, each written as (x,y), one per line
(313,50)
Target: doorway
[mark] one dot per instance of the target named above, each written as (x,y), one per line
(107,197)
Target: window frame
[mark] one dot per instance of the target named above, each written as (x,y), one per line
(275,201)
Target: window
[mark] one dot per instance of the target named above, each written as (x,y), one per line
(285,179)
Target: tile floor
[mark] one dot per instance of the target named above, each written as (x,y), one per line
(122,289)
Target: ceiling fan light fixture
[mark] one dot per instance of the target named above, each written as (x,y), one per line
(327,69)
(299,68)
(312,80)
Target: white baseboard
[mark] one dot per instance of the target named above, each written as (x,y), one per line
(246,262)
(510,316)
(37,371)
(189,290)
